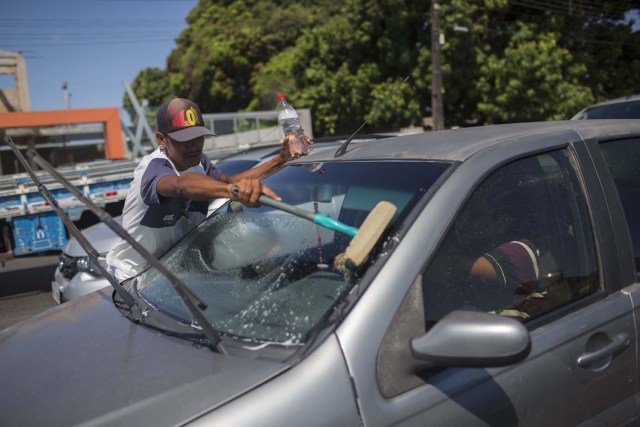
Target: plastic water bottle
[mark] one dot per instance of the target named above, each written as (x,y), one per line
(291,127)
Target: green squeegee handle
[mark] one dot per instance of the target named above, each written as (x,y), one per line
(322,220)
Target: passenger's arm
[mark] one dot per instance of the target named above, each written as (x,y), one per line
(483,269)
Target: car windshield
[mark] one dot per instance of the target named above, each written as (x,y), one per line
(267,275)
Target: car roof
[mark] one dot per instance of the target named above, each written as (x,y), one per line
(460,144)
(260,152)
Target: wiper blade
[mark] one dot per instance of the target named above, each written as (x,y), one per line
(88,247)
(193,303)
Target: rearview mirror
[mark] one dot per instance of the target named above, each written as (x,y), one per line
(472,339)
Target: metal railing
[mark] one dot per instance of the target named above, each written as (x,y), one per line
(245,129)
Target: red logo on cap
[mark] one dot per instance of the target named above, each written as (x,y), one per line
(184,118)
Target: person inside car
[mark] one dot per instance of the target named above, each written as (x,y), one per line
(173,186)
(516,265)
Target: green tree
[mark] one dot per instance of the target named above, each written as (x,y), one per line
(532,79)
(502,61)
(610,50)
(532,60)
(344,68)
(227,42)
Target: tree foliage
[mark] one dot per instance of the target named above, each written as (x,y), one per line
(533,78)
(502,61)
(228,42)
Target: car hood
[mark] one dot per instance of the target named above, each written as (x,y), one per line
(84,362)
(101,237)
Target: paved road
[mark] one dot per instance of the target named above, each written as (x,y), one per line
(25,287)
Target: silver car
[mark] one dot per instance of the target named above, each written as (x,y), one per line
(502,293)
(76,275)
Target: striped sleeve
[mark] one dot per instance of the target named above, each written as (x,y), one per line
(156,169)
(210,170)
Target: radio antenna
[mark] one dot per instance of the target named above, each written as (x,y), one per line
(343,148)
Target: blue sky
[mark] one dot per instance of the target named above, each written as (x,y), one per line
(93,45)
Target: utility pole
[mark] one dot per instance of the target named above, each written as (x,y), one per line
(67,104)
(437,109)
(66,95)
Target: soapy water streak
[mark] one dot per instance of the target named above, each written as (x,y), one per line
(259,274)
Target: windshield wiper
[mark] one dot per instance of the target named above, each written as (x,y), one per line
(193,303)
(343,148)
(88,248)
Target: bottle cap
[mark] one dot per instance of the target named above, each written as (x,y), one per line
(280,96)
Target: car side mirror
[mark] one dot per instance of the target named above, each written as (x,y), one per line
(472,339)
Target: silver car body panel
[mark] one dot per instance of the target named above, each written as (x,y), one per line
(81,284)
(83,362)
(555,347)
(101,237)
(315,392)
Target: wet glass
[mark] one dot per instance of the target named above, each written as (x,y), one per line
(267,275)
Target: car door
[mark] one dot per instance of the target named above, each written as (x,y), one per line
(619,158)
(582,363)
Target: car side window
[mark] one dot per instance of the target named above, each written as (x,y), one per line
(521,246)
(623,159)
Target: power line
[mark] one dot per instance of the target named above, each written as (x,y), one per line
(147,1)
(607,42)
(510,32)
(546,7)
(584,6)
(95,43)
(568,9)
(594,4)
(63,35)
(95,24)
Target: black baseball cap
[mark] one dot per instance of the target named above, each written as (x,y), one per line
(181,119)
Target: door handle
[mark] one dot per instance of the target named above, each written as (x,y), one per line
(619,343)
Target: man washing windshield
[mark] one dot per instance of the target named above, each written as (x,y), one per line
(173,186)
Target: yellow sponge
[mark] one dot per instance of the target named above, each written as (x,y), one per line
(368,235)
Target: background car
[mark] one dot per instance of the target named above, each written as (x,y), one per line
(246,159)
(627,107)
(76,274)
(411,336)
